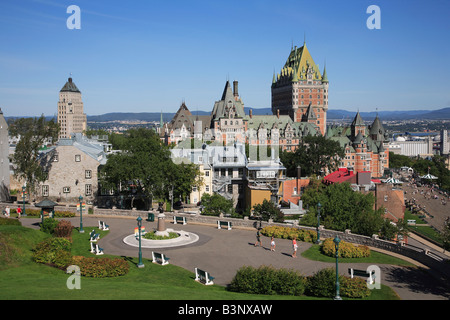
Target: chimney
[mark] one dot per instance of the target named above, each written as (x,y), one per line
(278,113)
(250,113)
(235,88)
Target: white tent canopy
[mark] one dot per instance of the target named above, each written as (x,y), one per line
(428,176)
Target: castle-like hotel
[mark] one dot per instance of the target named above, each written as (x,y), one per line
(299,107)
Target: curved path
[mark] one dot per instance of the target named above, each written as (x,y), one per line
(223,252)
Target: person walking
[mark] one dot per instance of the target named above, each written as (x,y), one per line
(19,212)
(294,246)
(7,212)
(258,237)
(272,244)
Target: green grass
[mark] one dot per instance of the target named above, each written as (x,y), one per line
(314,253)
(21,278)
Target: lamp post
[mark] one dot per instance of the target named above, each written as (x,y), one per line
(319,206)
(81,214)
(24,188)
(139,224)
(336,246)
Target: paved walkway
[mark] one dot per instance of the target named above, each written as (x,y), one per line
(223,252)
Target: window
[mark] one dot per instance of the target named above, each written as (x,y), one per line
(89,189)
(207,188)
(207,173)
(295,190)
(385,198)
(66,189)
(88,174)
(194,189)
(78,157)
(45,191)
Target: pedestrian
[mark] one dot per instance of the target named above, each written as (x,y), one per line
(258,237)
(272,244)
(19,212)
(294,246)
(7,212)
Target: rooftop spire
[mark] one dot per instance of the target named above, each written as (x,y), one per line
(324,75)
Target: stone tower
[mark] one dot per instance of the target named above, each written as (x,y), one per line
(4,159)
(71,117)
(300,88)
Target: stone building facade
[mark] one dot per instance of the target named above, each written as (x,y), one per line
(72,167)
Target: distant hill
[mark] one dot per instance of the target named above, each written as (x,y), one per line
(333,114)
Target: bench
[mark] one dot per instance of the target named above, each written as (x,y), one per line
(203,277)
(102,225)
(362,273)
(160,258)
(93,237)
(136,232)
(221,224)
(179,219)
(96,249)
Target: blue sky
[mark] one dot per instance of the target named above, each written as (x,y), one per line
(148,56)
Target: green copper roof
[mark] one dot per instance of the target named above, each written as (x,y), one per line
(324,75)
(70,87)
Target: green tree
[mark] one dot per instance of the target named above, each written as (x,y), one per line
(267,210)
(145,163)
(342,208)
(214,205)
(33,133)
(313,154)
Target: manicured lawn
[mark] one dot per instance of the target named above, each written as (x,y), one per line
(21,278)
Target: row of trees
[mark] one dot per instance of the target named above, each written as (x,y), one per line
(342,208)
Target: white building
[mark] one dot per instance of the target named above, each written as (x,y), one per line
(4,159)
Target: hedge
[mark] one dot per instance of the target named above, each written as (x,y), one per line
(290,233)
(267,280)
(346,249)
(270,281)
(37,213)
(323,284)
(101,267)
(53,251)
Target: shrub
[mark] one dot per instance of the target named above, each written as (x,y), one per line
(322,283)
(290,233)
(267,280)
(346,249)
(53,251)
(58,214)
(354,288)
(49,225)
(63,229)
(101,267)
